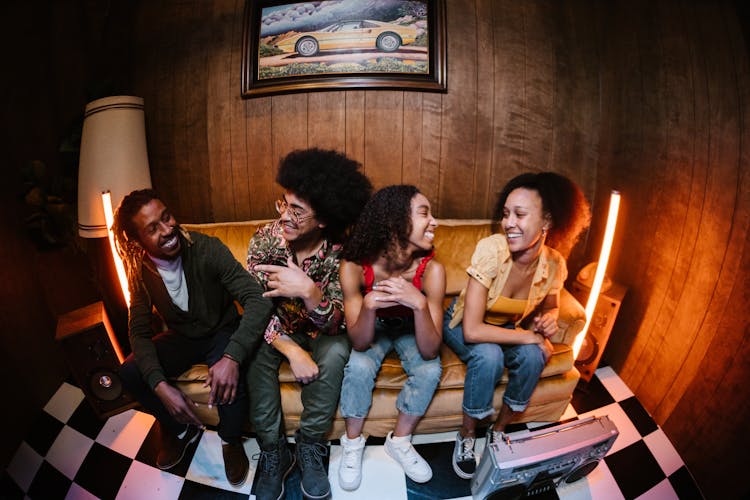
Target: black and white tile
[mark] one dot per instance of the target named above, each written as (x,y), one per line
(73,455)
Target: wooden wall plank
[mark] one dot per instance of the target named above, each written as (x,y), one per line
(432,125)
(157,52)
(510,87)
(241,122)
(411,172)
(188,66)
(653,142)
(459,114)
(327,120)
(384,124)
(260,161)
(355,125)
(576,129)
(621,165)
(483,199)
(221,89)
(539,84)
(289,125)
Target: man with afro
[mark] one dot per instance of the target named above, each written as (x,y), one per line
(296,259)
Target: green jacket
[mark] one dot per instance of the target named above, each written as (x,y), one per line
(214,280)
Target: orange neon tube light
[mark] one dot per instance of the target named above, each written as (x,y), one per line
(601,268)
(109,219)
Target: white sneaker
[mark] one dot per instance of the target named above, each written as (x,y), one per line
(350,469)
(404,453)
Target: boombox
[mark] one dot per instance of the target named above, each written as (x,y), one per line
(541,460)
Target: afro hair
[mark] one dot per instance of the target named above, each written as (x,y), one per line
(331,183)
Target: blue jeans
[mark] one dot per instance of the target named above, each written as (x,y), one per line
(485,364)
(360,372)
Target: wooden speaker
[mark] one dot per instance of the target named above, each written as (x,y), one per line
(600,326)
(94,357)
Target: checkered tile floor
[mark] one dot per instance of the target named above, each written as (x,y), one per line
(74,455)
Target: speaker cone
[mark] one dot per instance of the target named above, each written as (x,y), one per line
(581,471)
(514,492)
(589,350)
(105,384)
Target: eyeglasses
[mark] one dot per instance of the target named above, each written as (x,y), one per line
(294,213)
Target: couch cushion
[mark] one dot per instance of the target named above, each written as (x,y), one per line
(455,240)
(392,375)
(235,235)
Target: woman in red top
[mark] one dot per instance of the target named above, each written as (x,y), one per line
(393,299)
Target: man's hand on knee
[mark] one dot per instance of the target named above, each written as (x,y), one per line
(177,404)
(223,377)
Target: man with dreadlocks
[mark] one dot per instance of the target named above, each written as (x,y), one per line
(192,280)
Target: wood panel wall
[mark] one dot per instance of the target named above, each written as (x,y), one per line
(650,98)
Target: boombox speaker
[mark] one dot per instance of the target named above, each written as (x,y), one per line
(600,327)
(94,357)
(536,463)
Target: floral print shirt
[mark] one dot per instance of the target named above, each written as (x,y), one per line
(268,246)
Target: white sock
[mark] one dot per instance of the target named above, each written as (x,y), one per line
(401,439)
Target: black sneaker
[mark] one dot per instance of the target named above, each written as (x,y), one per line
(494,436)
(310,453)
(173,448)
(274,465)
(464,459)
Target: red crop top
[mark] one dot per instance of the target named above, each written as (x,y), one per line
(399,310)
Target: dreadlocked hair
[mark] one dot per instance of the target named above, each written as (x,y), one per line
(383,226)
(126,235)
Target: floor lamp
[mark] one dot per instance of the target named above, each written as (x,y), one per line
(113,162)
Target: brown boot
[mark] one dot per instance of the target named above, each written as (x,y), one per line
(173,448)
(236,464)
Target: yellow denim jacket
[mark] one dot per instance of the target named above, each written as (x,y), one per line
(491,264)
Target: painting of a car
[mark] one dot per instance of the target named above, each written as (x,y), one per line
(362,34)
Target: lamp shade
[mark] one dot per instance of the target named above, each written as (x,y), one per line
(113,158)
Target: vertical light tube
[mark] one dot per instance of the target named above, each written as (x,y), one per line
(601,268)
(109,219)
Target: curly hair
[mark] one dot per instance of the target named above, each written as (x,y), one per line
(383,226)
(561,198)
(126,234)
(331,183)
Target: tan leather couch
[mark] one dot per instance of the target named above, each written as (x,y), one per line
(454,241)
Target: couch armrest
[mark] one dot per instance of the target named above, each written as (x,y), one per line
(571,319)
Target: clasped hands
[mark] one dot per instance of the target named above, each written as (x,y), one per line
(392,291)
(545,326)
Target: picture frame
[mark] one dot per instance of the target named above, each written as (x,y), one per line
(323,45)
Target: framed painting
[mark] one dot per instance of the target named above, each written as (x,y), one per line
(343,44)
